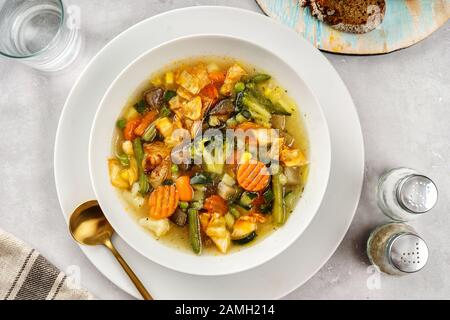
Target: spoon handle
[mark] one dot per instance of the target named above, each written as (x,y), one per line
(139,286)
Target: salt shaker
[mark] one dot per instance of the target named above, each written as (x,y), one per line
(404,194)
(397,249)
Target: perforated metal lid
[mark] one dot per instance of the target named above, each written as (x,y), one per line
(417,194)
(408,252)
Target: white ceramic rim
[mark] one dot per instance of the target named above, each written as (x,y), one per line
(73,187)
(181,260)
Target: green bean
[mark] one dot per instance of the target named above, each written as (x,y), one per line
(194,231)
(278,210)
(138,152)
(259,78)
(144,186)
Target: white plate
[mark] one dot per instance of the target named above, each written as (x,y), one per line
(302,259)
(137,73)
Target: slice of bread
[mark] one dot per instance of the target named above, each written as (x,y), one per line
(356,16)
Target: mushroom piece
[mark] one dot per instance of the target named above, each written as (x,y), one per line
(154,97)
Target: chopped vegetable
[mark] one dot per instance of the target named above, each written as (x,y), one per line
(184,188)
(189,82)
(278,210)
(227,179)
(163,201)
(229,220)
(223,107)
(158,226)
(246,239)
(216,204)
(193,109)
(292,157)
(253,176)
(209,94)
(247,198)
(128,131)
(292,176)
(127,147)
(154,98)
(235,212)
(234,74)
(257,110)
(239,87)
(131,114)
(259,78)
(280,102)
(183,205)
(169,79)
(226,191)
(123,158)
(174,169)
(169,94)
(194,231)
(217,231)
(121,123)
(289,199)
(201,178)
(146,120)
(141,106)
(217,77)
(149,133)
(179,217)
(164,126)
(243,227)
(164,112)
(114,174)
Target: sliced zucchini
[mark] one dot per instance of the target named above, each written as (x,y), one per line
(247,199)
(246,239)
(201,178)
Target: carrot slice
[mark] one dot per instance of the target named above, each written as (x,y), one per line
(217,77)
(145,122)
(128,131)
(247,125)
(253,176)
(163,201)
(210,91)
(215,204)
(184,188)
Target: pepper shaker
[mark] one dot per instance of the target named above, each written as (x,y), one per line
(404,194)
(397,249)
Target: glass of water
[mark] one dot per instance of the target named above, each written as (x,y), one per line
(39,33)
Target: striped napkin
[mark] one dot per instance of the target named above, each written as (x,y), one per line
(27,275)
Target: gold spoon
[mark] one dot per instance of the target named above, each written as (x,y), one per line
(88,225)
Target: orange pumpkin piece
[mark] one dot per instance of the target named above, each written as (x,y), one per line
(253,176)
(215,204)
(163,201)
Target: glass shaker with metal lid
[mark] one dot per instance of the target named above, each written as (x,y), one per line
(404,194)
(397,249)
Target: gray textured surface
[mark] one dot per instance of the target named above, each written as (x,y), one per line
(403,100)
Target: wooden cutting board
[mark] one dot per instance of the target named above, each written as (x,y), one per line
(406,22)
